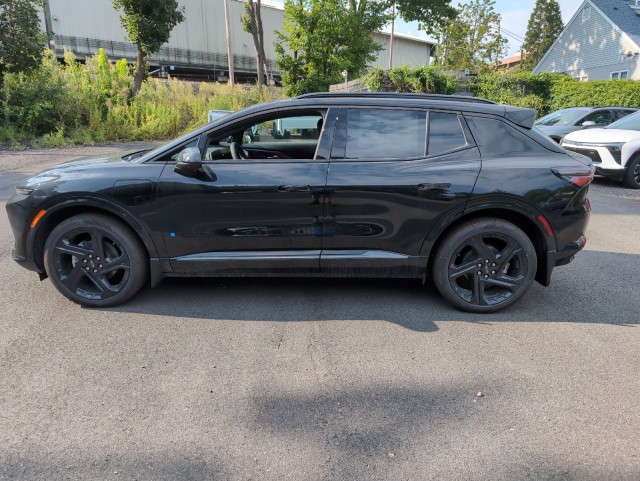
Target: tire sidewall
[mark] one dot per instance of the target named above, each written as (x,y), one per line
(629,177)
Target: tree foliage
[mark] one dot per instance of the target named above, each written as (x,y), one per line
(252,23)
(323,38)
(428,13)
(471,40)
(545,25)
(21,39)
(148,24)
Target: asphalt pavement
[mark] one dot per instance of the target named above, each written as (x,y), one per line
(320,379)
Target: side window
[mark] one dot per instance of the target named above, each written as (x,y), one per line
(290,129)
(600,117)
(288,137)
(386,134)
(498,139)
(445,133)
(618,114)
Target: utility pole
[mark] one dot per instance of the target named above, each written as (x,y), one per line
(393,25)
(229,50)
(48,25)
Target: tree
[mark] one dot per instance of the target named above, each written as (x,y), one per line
(472,40)
(323,38)
(428,13)
(21,39)
(252,23)
(545,25)
(148,24)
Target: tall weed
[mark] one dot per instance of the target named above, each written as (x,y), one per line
(90,102)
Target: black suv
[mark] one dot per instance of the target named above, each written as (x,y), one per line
(457,189)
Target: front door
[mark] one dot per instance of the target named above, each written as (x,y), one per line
(256,208)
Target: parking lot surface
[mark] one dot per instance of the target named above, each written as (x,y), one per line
(254,379)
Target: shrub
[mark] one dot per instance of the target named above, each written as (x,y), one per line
(91,102)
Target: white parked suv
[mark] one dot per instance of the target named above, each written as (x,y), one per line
(614,150)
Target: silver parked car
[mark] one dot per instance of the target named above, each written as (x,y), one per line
(561,122)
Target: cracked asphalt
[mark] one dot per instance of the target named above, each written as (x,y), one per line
(308,380)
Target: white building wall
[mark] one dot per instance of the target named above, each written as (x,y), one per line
(591,47)
(83,21)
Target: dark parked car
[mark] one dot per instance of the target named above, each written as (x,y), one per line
(459,190)
(562,122)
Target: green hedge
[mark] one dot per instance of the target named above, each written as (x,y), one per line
(544,92)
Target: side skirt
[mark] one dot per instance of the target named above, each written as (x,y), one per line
(308,263)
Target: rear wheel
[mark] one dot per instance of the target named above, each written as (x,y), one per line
(95,260)
(632,175)
(485,265)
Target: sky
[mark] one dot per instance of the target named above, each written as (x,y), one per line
(515,16)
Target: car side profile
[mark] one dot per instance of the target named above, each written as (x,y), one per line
(560,123)
(458,190)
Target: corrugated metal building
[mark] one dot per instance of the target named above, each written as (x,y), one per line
(197,46)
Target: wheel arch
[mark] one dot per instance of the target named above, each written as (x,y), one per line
(524,218)
(69,208)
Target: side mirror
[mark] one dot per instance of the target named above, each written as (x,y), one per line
(588,124)
(189,162)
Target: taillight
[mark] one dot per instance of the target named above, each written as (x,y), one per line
(576,176)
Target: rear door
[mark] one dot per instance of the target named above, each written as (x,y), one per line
(393,173)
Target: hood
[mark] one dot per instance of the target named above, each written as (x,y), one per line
(603,136)
(82,166)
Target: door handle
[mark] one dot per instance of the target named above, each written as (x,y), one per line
(294,188)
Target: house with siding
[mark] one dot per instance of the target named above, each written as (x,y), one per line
(600,42)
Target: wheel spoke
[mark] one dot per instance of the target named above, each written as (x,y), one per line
(65,247)
(72,280)
(97,242)
(511,283)
(510,250)
(478,292)
(467,268)
(482,250)
(121,262)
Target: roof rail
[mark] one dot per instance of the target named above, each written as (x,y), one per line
(382,95)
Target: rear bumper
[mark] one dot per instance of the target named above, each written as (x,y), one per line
(562,257)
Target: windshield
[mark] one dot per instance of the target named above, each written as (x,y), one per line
(562,117)
(630,122)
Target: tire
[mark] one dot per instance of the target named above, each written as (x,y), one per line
(632,174)
(484,265)
(95,260)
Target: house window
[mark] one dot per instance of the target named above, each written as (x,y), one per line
(586,13)
(582,78)
(620,74)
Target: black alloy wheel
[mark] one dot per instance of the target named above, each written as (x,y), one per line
(632,175)
(95,260)
(485,265)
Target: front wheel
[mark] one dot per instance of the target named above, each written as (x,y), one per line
(95,261)
(632,175)
(484,265)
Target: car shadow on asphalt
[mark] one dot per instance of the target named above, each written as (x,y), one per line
(594,289)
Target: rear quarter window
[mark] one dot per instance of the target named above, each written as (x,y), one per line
(498,139)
